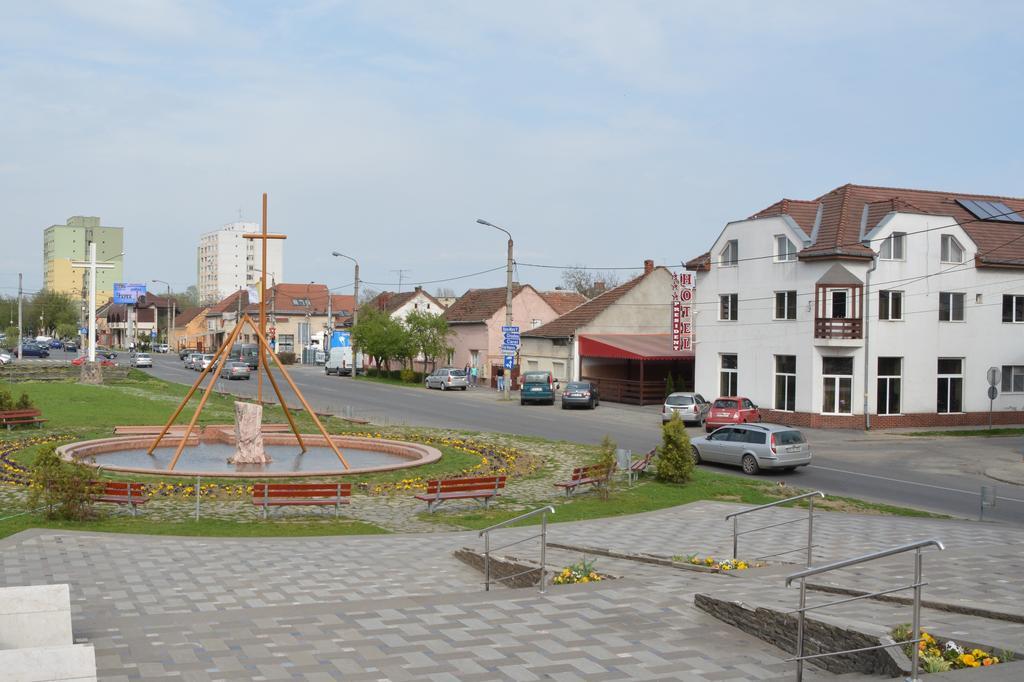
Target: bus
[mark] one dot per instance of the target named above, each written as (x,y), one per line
(249,353)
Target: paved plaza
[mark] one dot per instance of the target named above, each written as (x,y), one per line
(400,607)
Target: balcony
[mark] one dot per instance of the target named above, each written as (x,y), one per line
(839,309)
(838,328)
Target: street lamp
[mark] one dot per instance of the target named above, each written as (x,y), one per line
(508,296)
(355,309)
(170,311)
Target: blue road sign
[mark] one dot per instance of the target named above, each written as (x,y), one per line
(83,330)
(512,338)
(509,348)
(152,333)
(510,330)
(509,361)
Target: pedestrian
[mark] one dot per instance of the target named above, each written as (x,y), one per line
(501,380)
(473,374)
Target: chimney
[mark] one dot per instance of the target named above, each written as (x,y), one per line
(648,266)
(599,286)
(419,289)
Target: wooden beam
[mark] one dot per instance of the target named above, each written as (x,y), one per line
(273,382)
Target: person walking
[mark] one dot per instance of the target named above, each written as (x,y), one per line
(472,375)
(501,379)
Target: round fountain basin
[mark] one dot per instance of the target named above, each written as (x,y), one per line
(208,453)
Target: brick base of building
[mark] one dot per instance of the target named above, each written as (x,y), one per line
(885,421)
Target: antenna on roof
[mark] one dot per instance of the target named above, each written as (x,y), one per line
(401,276)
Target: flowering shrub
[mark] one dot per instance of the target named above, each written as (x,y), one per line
(937,656)
(711,562)
(580,572)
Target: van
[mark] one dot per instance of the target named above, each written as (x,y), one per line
(339,361)
(537,387)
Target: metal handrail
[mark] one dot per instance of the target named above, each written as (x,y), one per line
(543,535)
(810,522)
(801,612)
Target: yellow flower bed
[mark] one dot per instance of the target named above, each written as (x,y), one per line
(937,656)
(580,572)
(719,564)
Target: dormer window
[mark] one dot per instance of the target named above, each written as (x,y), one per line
(785,250)
(304,302)
(893,246)
(730,254)
(952,252)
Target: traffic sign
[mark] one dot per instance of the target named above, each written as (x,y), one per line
(512,338)
(992,392)
(83,330)
(507,347)
(152,333)
(993,376)
(510,330)
(509,361)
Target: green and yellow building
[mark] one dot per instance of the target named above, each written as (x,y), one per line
(63,244)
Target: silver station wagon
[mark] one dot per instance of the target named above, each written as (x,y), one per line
(754,447)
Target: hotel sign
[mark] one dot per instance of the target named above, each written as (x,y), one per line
(682,311)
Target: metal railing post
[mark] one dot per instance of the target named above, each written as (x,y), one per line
(800,632)
(810,528)
(487,562)
(543,552)
(916,633)
(199,481)
(735,537)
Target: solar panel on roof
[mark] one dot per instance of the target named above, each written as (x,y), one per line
(990,210)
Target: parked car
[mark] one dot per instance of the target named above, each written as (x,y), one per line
(185,352)
(55,344)
(142,360)
(5,358)
(691,407)
(580,394)
(754,447)
(161,348)
(446,378)
(731,410)
(204,362)
(70,346)
(235,370)
(33,350)
(106,352)
(192,359)
(80,360)
(537,387)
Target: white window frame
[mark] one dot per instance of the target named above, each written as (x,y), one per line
(839,380)
(895,242)
(730,254)
(790,387)
(728,307)
(887,380)
(728,377)
(785,249)
(963,306)
(949,379)
(948,243)
(1013,309)
(889,295)
(787,297)
(1011,373)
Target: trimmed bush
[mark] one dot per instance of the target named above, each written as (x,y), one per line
(670,386)
(675,456)
(64,488)
(5,401)
(24,403)
(286,357)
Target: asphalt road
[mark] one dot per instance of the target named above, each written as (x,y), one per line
(937,474)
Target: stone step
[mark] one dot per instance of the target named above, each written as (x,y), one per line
(35,616)
(71,663)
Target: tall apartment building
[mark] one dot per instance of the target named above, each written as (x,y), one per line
(227,262)
(65,243)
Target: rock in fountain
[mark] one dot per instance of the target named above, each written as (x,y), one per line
(249,435)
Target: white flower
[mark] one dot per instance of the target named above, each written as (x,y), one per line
(953,646)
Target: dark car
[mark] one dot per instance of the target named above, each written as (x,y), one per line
(537,387)
(55,344)
(185,352)
(580,394)
(70,347)
(105,352)
(34,350)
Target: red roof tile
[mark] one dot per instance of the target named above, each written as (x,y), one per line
(563,301)
(477,305)
(567,324)
(390,301)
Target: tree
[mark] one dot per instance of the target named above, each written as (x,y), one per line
(590,283)
(428,336)
(675,456)
(445,292)
(186,299)
(46,310)
(379,336)
(64,488)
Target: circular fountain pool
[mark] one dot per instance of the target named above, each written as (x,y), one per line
(207,455)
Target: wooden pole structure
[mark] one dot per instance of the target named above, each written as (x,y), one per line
(277,390)
(263,306)
(302,399)
(221,352)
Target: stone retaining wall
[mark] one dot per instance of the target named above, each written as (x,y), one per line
(502,568)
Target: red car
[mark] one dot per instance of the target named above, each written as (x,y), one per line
(80,360)
(731,409)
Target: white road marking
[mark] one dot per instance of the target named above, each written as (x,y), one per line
(900,480)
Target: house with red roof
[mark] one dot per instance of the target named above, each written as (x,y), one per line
(868,307)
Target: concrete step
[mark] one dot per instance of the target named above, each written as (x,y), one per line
(35,616)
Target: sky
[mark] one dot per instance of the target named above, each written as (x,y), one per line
(599,133)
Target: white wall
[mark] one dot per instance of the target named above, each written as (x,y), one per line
(227,262)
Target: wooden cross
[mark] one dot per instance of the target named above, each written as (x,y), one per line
(92,266)
(263,237)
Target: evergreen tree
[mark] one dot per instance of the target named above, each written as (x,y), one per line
(675,456)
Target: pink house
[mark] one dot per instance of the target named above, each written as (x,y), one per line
(477,317)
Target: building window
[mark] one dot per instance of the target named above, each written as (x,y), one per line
(1013,308)
(727,309)
(890,376)
(785,305)
(950,385)
(729,374)
(785,382)
(837,385)
(730,254)
(536,323)
(892,246)
(300,301)
(839,297)
(558,370)
(1013,378)
(951,307)
(952,252)
(285,343)
(785,250)
(304,334)
(890,305)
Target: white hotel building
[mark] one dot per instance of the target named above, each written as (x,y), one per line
(868,305)
(227,262)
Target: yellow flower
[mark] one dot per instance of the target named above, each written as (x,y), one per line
(967,659)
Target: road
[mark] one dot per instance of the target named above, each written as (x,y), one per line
(942,475)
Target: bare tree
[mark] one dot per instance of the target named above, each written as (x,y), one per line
(590,283)
(445,292)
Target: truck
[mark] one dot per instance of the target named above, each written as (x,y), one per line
(339,361)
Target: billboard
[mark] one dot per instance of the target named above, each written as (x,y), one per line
(128,293)
(341,340)
(682,311)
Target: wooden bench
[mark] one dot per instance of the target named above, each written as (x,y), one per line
(640,466)
(12,418)
(480,488)
(269,495)
(594,474)
(120,492)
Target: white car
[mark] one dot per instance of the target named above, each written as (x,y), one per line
(205,362)
(5,358)
(142,360)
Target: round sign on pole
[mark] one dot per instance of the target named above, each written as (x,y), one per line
(993,376)
(992,392)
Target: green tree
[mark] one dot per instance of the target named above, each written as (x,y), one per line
(47,310)
(428,336)
(670,385)
(380,336)
(64,488)
(11,337)
(675,456)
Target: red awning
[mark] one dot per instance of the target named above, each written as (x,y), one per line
(631,347)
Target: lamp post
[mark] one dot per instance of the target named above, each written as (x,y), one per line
(355,309)
(170,312)
(508,297)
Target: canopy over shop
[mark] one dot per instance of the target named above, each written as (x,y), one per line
(634,368)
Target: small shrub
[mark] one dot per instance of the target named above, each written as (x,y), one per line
(5,401)
(675,456)
(605,458)
(286,357)
(64,488)
(408,376)
(24,402)
(670,386)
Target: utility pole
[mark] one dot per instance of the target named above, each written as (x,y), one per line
(401,277)
(355,313)
(21,335)
(508,298)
